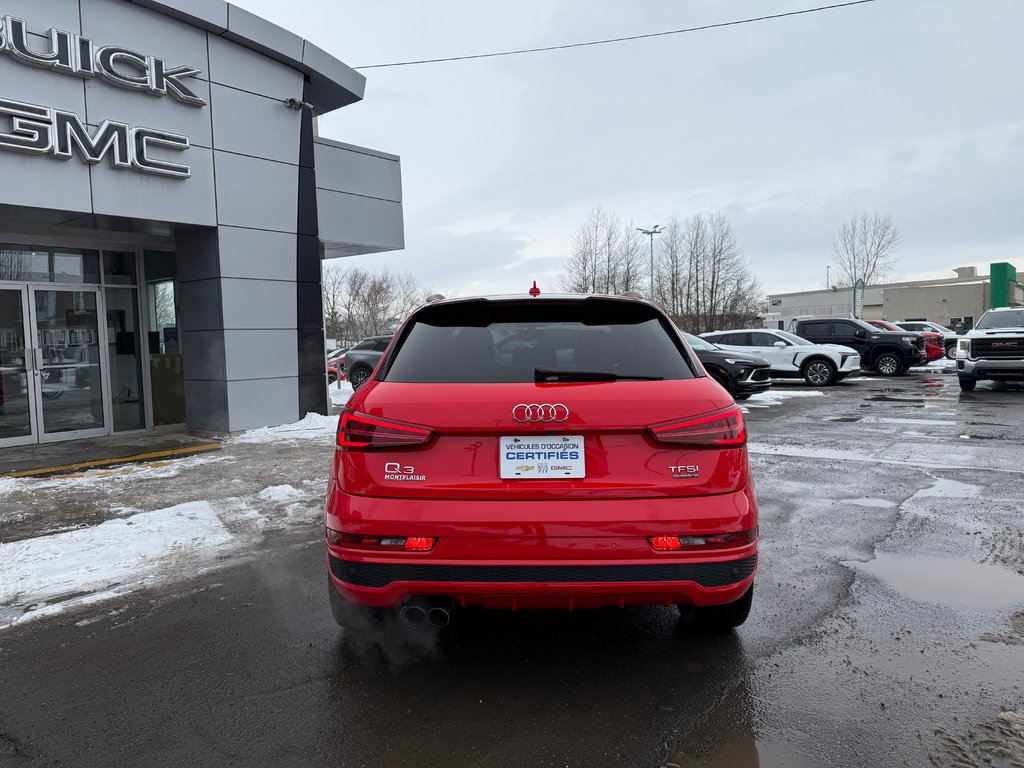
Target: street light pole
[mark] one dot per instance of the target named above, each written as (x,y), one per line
(655,230)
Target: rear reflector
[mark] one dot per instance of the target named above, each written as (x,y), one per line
(360,541)
(359,431)
(665,543)
(709,541)
(722,429)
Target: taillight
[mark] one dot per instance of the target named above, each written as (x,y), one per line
(706,541)
(361,541)
(357,430)
(722,429)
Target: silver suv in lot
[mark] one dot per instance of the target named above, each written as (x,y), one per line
(993,349)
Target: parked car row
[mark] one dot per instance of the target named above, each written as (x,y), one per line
(822,352)
(791,356)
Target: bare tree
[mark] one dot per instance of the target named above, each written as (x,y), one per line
(670,272)
(719,290)
(865,248)
(633,260)
(607,256)
(701,277)
(358,302)
(582,268)
(332,281)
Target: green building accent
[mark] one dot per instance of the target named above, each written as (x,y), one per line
(1000,277)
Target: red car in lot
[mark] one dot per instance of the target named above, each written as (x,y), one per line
(933,342)
(590,463)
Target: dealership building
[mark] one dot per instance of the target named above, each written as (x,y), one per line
(166,206)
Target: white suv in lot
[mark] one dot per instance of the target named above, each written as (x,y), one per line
(993,349)
(791,356)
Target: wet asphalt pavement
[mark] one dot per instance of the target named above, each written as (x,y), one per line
(887,630)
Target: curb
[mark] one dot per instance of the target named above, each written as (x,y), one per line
(175,453)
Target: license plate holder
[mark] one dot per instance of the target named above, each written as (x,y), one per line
(544,457)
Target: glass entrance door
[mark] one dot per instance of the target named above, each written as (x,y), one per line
(17,405)
(68,380)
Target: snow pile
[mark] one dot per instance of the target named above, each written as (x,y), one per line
(774,396)
(280,493)
(314,426)
(44,576)
(340,393)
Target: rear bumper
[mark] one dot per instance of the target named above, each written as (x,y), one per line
(561,553)
(545,586)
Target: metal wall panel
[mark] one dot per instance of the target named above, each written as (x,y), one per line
(238,67)
(255,193)
(262,402)
(354,219)
(40,16)
(256,253)
(258,303)
(260,354)
(255,126)
(204,360)
(343,169)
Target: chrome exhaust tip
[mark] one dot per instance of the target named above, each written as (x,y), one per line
(414,614)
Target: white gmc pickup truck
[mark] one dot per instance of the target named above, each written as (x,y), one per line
(993,349)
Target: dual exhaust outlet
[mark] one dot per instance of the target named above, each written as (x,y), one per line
(435,611)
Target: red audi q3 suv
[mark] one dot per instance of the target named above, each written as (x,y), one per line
(560,451)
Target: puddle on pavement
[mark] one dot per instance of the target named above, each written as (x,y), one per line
(749,754)
(950,489)
(875,503)
(891,420)
(947,581)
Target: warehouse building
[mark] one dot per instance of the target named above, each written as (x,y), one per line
(955,302)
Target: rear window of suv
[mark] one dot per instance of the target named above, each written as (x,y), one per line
(506,341)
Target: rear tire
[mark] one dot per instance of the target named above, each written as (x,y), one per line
(360,375)
(888,364)
(819,373)
(967,385)
(717,618)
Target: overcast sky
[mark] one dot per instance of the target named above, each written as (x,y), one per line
(911,107)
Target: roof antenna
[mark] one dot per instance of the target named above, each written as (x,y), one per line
(535,291)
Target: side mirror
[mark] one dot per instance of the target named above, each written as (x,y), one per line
(860,333)
(780,344)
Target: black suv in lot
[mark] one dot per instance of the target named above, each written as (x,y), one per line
(888,353)
(741,373)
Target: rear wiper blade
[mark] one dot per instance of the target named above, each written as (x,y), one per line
(548,374)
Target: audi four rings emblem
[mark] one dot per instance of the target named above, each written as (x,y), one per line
(536,412)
